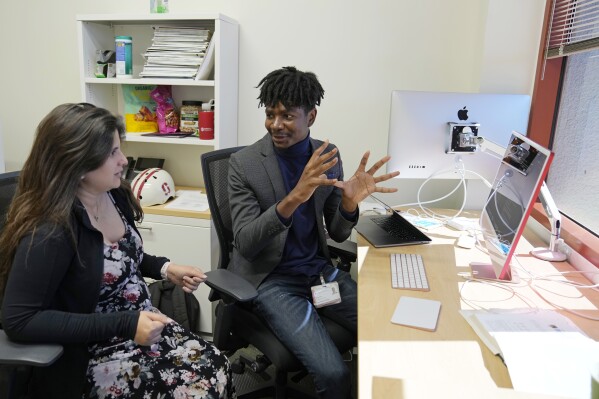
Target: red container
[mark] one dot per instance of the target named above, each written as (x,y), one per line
(206,124)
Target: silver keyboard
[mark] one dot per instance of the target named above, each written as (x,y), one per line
(407,272)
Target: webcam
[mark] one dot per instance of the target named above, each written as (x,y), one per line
(520,156)
(518,153)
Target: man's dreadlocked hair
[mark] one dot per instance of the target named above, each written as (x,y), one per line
(290,87)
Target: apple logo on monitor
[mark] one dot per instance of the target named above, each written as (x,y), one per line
(463,114)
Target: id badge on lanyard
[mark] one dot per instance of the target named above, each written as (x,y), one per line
(325,294)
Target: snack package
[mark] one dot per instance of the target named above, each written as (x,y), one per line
(140,109)
(166,113)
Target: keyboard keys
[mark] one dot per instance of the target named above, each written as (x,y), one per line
(397,228)
(407,272)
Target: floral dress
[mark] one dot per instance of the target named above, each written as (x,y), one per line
(181,365)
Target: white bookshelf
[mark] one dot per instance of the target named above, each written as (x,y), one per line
(189,239)
(97,32)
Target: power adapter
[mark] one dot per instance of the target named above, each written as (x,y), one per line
(462,223)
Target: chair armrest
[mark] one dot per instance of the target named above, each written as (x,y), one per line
(346,250)
(29,354)
(231,285)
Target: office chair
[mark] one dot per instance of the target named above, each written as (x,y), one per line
(16,359)
(236,326)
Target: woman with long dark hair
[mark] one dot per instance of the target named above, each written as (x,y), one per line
(72,270)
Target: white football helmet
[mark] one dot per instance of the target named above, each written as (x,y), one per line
(153,186)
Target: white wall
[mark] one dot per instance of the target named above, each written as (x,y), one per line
(2,168)
(360,52)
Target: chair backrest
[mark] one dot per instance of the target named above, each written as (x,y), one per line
(215,168)
(13,355)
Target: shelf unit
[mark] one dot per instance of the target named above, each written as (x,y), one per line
(185,237)
(98,31)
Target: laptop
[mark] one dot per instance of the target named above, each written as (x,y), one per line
(389,230)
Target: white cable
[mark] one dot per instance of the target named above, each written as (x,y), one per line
(531,284)
(495,284)
(430,213)
(485,181)
(462,182)
(546,277)
(436,199)
(532,279)
(532,287)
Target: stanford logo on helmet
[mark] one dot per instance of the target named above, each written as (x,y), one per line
(153,186)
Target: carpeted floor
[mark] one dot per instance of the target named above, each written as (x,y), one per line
(250,381)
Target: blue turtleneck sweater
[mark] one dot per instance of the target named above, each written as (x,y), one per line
(301,254)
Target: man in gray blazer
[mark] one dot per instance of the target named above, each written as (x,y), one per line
(286,193)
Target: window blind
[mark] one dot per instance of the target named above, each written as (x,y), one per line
(574,27)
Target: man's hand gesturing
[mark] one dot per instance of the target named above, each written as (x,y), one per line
(363,183)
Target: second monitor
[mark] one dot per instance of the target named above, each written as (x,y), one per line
(517,185)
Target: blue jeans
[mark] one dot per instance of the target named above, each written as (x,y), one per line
(285,304)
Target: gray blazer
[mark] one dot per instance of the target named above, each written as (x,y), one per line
(255,187)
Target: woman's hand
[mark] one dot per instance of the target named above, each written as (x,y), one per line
(149,327)
(188,277)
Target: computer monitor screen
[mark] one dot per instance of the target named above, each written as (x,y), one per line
(419,130)
(517,185)
(8,186)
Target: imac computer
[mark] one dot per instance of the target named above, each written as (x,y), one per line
(8,187)
(423,124)
(516,186)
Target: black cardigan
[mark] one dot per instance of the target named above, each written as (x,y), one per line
(52,293)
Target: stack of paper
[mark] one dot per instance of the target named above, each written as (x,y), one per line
(176,52)
(544,351)
(189,200)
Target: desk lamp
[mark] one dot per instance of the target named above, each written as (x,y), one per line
(550,254)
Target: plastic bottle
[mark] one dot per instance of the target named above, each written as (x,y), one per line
(159,6)
(124,54)
(206,121)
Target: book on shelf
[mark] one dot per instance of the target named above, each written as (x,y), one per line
(168,72)
(182,40)
(206,68)
(163,30)
(168,75)
(203,34)
(150,61)
(178,47)
(174,53)
(173,68)
(177,52)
